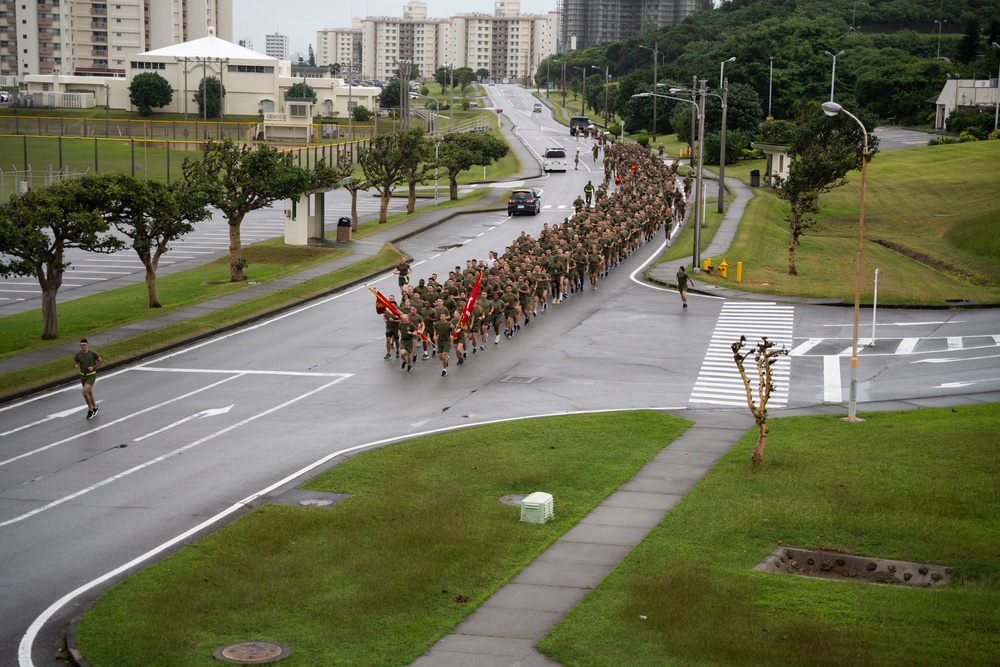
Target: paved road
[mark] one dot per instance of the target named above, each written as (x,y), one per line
(188,439)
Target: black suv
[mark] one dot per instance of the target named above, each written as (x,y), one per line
(524,201)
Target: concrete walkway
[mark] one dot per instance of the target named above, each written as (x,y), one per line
(502,632)
(724,235)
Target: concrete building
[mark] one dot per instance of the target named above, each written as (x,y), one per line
(276,46)
(255,83)
(339,45)
(589,22)
(508,47)
(421,41)
(978,94)
(96,37)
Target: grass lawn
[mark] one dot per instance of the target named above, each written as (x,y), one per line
(114,308)
(918,486)
(939,215)
(378,578)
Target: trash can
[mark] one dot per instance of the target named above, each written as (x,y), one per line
(344,230)
(755,178)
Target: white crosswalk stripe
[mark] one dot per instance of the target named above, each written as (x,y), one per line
(719,381)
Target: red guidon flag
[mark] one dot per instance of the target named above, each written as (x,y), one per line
(471,303)
(383,304)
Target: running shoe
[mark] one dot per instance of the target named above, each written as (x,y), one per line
(90,415)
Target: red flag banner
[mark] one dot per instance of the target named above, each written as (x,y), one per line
(384,303)
(471,303)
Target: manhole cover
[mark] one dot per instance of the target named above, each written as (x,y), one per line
(252,653)
(517,379)
(514,499)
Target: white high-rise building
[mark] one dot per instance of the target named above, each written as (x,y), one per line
(276,46)
(97,37)
(339,45)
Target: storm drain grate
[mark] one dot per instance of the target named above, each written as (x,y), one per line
(518,379)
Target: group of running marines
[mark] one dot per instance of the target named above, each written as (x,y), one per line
(531,273)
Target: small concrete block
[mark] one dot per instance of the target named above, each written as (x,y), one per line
(619,535)
(643,484)
(475,644)
(516,623)
(536,597)
(640,501)
(623,516)
(571,553)
(551,573)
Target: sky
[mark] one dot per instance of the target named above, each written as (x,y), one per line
(300,19)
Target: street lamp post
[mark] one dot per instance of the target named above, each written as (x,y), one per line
(996,108)
(583,100)
(698,211)
(770,82)
(437,140)
(350,100)
(656,54)
(940,25)
(833,74)
(607,79)
(832,109)
(722,151)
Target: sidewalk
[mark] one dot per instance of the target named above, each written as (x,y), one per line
(502,632)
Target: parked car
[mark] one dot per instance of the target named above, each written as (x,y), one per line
(524,201)
(4,97)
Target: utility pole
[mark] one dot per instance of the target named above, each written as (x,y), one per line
(722,152)
(656,57)
(694,92)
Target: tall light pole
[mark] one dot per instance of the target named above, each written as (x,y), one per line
(996,108)
(698,211)
(583,100)
(724,84)
(607,79)
(833,74)
(770,82)
(722,149)
(437,140)
(656,55)
(832,109)
(350,100)
(940,25)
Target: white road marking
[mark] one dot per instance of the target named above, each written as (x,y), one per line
(117,421)
(806,346)
(179,450)
(833,391)
(54,415)
(211,412)
(907,345)
(954,343)
(243,372)
(948,361)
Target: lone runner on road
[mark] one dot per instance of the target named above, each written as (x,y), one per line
(86,361)
(682,285)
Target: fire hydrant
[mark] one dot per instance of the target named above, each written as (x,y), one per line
(722,268)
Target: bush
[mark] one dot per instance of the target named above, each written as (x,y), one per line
(642,140)
(424,90)
(968,135)
(736,143)
(942,141)
(615,129)
(465,104)
(361,113)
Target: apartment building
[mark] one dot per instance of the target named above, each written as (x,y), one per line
(508,47)
(90,37)
(276,46)
(590,22)
(386,41)
(339,45)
